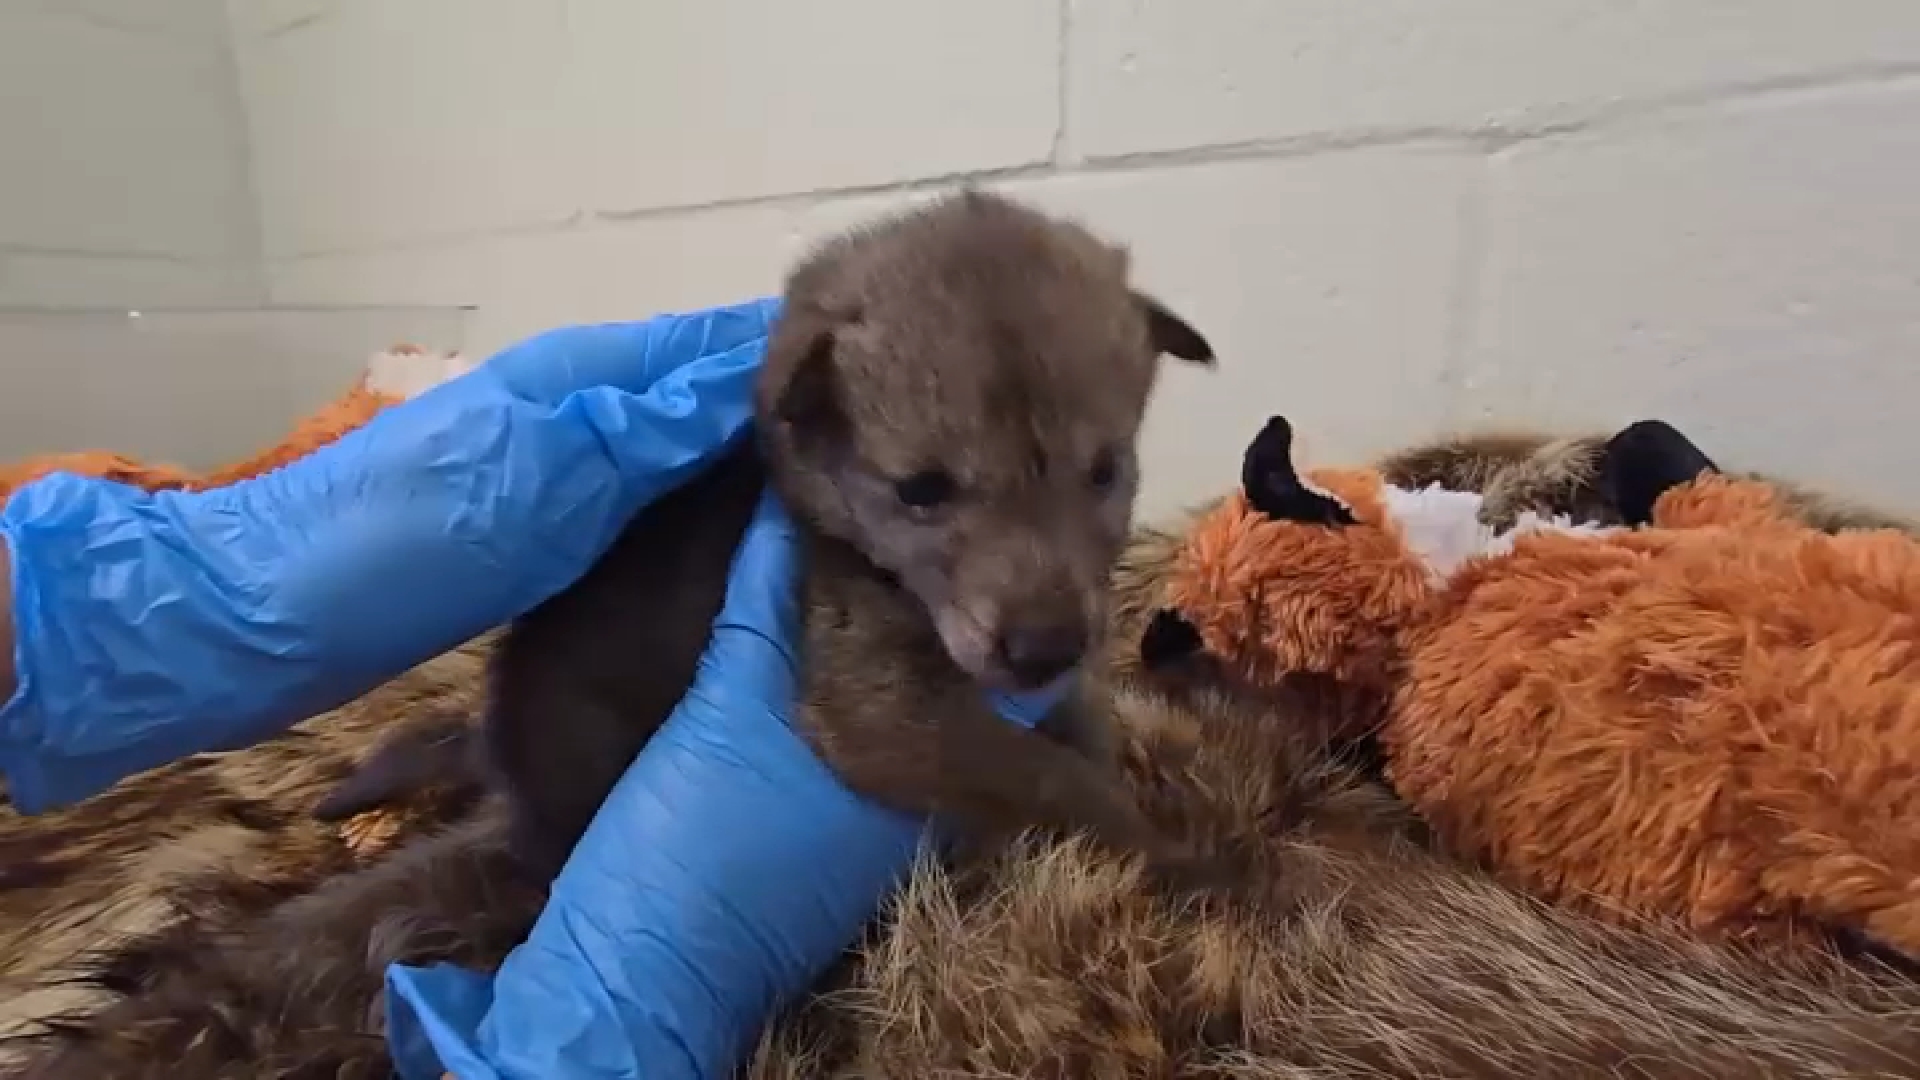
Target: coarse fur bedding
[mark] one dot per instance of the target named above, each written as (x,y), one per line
(1560,475)
(208,838)
(1363,956)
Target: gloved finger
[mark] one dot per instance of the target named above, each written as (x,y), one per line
(1027,708)
(727,869)
(253,606)
(483,503)
(628,355)
(659,438)
(757,623)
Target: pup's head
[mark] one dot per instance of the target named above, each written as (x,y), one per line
(957,393)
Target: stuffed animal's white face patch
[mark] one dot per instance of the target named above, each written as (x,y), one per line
(1443,528)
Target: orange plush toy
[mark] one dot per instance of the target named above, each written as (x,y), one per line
(393,376)
(1712,714)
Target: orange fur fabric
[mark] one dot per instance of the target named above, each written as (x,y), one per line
(1714,714)
(345,413)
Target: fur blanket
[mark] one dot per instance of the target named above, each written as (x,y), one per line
(1359,952)
(210,838)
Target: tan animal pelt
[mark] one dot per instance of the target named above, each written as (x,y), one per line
(1361,955)
(213,837)
(1550,475)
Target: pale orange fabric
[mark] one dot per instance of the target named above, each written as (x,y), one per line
(1715,718)
(348,412)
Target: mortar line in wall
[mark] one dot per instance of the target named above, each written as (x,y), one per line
(1618,116)
(1484,140)
(36,251)
(1063,73)
(803,200)
(581,220)
(1496,136)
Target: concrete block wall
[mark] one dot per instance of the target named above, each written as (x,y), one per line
(1392,217)
(123,165)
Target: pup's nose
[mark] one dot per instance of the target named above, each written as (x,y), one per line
(1036,655)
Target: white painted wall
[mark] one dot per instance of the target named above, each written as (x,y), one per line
(125,186)
(123,166)
(1392,216)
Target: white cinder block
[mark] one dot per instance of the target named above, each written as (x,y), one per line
(387,123)
(526,284)
(1750,274)
(1323,284)
(116,142)
(688,102)
(1160,74)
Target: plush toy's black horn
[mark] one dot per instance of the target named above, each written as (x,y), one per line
(1644,461)
(1275,489)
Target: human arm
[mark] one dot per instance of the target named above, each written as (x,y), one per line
(6,621)
(720,871)
(148,626)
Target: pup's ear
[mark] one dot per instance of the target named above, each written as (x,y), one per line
(805,383)
(1168,638)
(1275,489)
(1644,461)
(1172,334)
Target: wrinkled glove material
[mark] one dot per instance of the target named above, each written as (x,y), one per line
(150,626)
(723,874)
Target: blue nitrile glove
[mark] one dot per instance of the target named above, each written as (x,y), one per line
(152,626)
(726,871)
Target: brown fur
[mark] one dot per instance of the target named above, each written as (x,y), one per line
(1557,475)
(972,348)
(1030,969)
(1004,354)
(1361,956)
(973,336)
(1715,720)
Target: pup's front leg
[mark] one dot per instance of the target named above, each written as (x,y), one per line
(984,779)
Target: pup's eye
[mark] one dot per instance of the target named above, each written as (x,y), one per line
(925,489)
(1105,470)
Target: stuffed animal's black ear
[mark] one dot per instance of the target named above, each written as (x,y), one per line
(1172,334)
(1645,460)
(1275,489)
(1169,638)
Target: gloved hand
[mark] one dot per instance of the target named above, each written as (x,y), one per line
(152,626)
(724,873)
